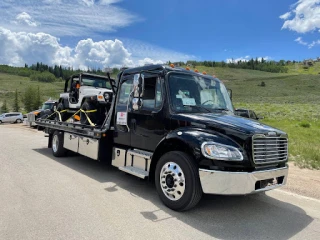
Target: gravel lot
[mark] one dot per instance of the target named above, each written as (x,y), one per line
(43,197)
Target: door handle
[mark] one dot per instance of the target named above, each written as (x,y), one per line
(133,124)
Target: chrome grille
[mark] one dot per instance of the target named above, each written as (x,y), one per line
(269,149)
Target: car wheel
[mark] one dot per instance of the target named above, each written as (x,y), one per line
(63,115)
(0,121)
(177,181)
(57,145)
(19,121)
(87,106)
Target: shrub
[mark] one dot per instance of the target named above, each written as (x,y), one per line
(305,124)
(43,77)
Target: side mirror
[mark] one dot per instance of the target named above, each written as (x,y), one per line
(230,93)
(138,85)
(137,103)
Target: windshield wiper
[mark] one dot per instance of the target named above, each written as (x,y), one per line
(198,107)
(221,109)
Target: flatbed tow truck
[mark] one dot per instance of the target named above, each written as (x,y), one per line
(177,127)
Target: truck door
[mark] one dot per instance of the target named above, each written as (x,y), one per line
(147,124)
(142,129)
(122,132)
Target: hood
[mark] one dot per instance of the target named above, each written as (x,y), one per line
(227,124)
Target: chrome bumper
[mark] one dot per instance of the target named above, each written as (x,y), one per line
(241,183)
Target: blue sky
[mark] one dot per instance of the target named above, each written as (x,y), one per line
(105,33)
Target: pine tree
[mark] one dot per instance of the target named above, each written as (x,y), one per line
(16,102)
(4,107)
(28,99)
(37,100)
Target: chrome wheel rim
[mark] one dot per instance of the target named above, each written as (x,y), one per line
(55,143)
(18,121)
(172,181)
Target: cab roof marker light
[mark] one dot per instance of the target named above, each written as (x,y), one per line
(204,73)
(187,68)
(172,65)
(196,70)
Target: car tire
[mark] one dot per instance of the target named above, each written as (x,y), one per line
(18,121)
(177,181)
(57,144)
(87,106)
(0,121)
(63,115)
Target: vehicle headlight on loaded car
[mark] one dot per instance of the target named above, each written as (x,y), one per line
(222,152)
(107,96)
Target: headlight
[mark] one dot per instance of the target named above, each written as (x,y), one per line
(219,151)
(107,96)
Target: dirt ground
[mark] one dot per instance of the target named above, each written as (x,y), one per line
(305,182)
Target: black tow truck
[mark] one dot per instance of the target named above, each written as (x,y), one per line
(177,128)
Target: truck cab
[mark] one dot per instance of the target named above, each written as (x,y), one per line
(178,128)
(178,113)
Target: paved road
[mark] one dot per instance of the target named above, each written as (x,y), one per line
(42,197)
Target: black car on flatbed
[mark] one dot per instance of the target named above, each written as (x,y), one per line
(177,128)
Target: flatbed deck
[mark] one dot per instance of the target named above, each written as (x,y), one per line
(77,128)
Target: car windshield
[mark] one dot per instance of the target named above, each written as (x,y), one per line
(46,106)
(95,82)
(191,93)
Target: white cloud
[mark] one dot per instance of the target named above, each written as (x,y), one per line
(141,50)
(306,16)
(64,17)
(25,19)
(285,16)
(18,48)
(245,59)
(300,41)
(149,61)
(310,45)
(314,43)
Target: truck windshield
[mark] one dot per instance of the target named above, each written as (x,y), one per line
(95,82)
(46,106)
(191,93)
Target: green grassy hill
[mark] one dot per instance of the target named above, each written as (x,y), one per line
(299,68)
(9,84)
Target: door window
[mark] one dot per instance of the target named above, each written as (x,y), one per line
(125,91)
(152,98)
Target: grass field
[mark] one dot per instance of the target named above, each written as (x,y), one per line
(9,84)
(289,101)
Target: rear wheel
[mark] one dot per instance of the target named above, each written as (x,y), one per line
(57,145)
(177,181)
(0,121)
(18,121)
(87,106)
(63,115)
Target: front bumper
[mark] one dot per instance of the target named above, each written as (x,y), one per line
(241,183)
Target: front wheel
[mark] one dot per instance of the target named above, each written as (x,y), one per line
(61,109)
(57,145)
(91,112)
(177,181)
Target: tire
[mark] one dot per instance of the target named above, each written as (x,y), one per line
(87,106)
(64,116)
(0,122)
(57,144)
(178,167)
(18,121)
